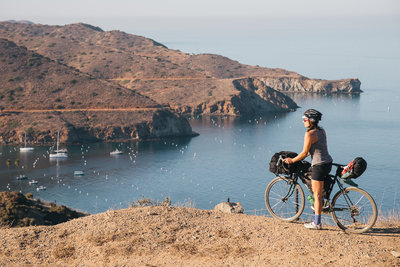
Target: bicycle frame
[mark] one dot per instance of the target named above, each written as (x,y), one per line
(294,177)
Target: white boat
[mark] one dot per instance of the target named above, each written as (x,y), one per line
(21,177)
(59,153)
(41,188)
(25,148)
(79,173)
(116,152)
(33,182)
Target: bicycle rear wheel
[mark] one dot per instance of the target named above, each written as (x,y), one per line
(354,211)
(284,199)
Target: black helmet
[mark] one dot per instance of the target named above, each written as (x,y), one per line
(313,115)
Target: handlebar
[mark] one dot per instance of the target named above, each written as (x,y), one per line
(338,165)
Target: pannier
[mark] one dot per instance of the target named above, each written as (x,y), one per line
(354,169)
(277,166)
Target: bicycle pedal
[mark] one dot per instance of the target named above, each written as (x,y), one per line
(326,210)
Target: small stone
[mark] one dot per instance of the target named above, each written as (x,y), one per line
(396,254)
(229,207)
(152,213)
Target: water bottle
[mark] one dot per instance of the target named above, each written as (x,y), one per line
(311,199)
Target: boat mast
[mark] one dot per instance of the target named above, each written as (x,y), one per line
(58,137)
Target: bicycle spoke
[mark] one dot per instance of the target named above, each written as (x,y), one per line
(360,216)
(284,200)
(355,204)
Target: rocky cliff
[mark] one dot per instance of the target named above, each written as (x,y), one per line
(92,126)
(306,85)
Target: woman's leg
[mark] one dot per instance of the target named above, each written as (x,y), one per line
(317,187)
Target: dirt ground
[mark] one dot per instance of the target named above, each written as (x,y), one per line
(176,236)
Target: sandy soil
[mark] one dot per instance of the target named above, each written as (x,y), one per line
(165,236)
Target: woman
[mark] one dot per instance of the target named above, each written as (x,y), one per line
(321,162)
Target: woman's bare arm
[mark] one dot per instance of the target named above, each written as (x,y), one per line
(309,139)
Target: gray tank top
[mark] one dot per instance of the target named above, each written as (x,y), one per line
(319,150)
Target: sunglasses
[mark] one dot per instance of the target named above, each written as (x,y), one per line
(305,119)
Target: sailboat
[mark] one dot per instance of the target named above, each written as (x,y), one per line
(116,152)
(59,153)
(25,148)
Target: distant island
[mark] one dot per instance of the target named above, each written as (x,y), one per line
(95,85)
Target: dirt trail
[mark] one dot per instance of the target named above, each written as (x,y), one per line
(80,109)
(164,236)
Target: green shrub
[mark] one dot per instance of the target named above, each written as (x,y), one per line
(30,131)
(12,124)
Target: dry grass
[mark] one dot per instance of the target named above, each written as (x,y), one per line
(147,202)
(391,218)
(190,204)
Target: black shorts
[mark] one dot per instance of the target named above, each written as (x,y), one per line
(320,172)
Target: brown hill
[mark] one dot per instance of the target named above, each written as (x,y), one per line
(117,55)
(194,84)
(166,236)
(32,81)
(41,97)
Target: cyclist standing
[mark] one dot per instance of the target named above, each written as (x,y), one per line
(315,144)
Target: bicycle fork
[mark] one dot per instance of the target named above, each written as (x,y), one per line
(290,193)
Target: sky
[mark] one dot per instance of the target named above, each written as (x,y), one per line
(317,38)
(64,12)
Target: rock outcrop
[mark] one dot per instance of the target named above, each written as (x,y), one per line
(77,127)
(306,85)
(229,207)
(247,96)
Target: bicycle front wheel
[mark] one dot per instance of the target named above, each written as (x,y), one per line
(284,199)
(354,210)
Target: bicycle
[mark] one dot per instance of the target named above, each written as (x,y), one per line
(352,208)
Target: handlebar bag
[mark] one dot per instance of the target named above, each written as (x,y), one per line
(279,167)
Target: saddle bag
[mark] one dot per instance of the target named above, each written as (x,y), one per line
(354,169)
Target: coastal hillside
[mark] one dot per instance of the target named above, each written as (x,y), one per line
(190,84)
(17,210)
(176,236)
(40,97)
(32,81)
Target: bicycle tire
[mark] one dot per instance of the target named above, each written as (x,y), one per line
(284,209)
(358,218)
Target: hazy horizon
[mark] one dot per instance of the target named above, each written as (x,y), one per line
(341,39)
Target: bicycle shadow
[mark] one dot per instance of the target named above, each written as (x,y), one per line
(392,231)
(384,231)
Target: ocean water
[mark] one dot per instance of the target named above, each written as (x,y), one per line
(228,159)
(230,156)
